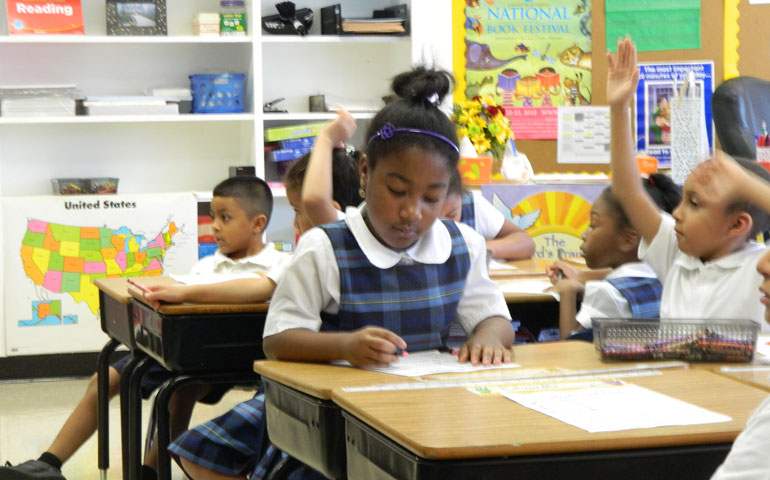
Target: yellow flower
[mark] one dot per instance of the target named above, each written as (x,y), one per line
(462,132)
(486,132)
(481,143)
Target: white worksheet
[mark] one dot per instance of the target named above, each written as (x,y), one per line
(431,362)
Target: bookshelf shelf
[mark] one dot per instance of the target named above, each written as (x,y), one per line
(105,39)
(289,39)
(235,117)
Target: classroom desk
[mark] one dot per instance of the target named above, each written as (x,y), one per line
(303,421)
(418,434)
(756,375)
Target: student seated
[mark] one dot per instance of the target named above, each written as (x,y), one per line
(504,239)
(240,208)
(230,445)
(631,288)
(704,254)
(748,458)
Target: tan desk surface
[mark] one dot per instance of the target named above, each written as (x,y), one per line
(472,426)
(759,378)
(319,379)
(119,289)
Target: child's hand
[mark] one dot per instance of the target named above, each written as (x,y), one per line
(622,74)
(340,129)
(720,177)
(568,286)
(372,346)
(485,350)
(559,270)
(164,293)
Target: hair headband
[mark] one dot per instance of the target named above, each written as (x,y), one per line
(388,130)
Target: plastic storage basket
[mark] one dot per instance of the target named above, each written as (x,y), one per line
(680,339)
(217,92)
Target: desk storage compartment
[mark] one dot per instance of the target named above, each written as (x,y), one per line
(115,319)
(203,342)
(307,428)
(680,339)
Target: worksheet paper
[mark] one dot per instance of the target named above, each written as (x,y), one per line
(610,405)
(431,362)
(497,266)
(584,135)
(529,285)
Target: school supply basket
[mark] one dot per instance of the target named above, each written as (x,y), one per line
(680,339)
(217,92)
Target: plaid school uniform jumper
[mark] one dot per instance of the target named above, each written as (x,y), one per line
(468,210)
(416,301)
(642,293)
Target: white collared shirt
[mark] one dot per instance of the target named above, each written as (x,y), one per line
(748,458)
(489,221)
(602,300)
(726,288)
(267,261)
(312,284)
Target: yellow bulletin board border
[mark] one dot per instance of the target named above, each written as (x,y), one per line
(458,49)
(731,43)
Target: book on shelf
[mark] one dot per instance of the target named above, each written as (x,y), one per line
(45,17)
(331,20)
(373,25)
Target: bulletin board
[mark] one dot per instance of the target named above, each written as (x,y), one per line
(753,36)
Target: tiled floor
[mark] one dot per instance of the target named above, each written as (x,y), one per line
(32,412)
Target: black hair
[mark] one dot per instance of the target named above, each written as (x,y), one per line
(344,176)
(253,194)
(455,184)
(419,92)
(759,217)
(664,192)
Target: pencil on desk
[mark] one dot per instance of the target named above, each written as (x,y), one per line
(139,286)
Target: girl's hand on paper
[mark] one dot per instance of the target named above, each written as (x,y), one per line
(483,349)
(372,347)
(559,270)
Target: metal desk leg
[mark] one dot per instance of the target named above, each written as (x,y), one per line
(102,406)
(283,468)
(134,444)
(125,381)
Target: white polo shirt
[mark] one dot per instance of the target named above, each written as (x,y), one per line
(726,288)
(602,300)
(267,261)
(312,281)
(748,458)
(489,220)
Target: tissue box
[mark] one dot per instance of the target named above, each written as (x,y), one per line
(475,170)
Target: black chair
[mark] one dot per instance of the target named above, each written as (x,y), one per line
(739,106)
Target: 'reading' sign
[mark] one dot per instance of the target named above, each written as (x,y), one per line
(53,17)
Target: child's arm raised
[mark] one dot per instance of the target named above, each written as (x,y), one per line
(318,186)
(622,77)
(511,243)
(368,346)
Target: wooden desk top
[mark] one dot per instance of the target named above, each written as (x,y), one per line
(319,379)
(472,426)
(120,290)
(759,377)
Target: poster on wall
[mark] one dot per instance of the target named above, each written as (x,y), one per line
(555,216)
(55,247)
(657,83)
(532,56)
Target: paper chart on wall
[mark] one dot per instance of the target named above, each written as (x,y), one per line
(584,135)
(603,406)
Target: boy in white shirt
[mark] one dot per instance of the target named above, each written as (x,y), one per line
(241,208)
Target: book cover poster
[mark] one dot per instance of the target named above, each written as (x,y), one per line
(554,215)
(52,17)
(531,55)
(654,94)
(55,247)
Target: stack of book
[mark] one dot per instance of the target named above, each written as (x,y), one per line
(373,25)
(390,20)
(130,105)
(38,101)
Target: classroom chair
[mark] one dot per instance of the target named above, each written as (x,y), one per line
(739,106)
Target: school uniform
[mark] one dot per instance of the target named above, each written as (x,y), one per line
(630,291)
(748,458)
(481,215)
(726,288)
(343,272)
(268,261)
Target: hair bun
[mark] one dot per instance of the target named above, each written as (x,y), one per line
(423,85)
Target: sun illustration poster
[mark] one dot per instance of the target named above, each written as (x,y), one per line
(555,216)
(56,247)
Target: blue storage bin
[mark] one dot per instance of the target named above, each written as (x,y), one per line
(217,92)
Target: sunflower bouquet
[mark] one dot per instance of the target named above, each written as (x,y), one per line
(485,125)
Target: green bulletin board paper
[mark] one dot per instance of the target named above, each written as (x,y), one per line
(654,24)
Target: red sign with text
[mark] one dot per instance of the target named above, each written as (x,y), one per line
(51,17)
(533,123)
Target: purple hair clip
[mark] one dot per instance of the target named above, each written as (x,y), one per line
(388,130)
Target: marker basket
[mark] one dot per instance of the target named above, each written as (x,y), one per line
(217,93)
(677,339)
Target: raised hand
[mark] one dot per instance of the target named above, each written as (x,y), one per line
(622,74)
(340,129)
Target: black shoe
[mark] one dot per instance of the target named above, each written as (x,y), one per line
(30,470)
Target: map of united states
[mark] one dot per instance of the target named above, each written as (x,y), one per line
(67,259)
